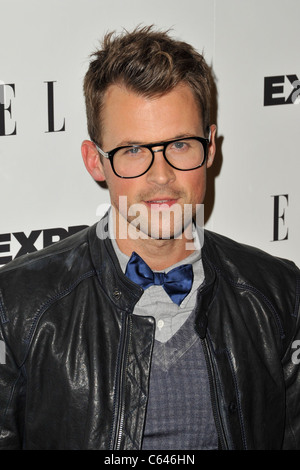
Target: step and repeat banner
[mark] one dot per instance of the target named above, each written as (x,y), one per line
(252,45)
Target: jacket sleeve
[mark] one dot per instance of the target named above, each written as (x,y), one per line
(291,367)
(12,398)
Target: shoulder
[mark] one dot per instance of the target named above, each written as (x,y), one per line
(256,278)
(244,266)
(30,284)
(33,279)
(46,260)
(241,260)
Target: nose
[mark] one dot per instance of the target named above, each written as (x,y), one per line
(160,173)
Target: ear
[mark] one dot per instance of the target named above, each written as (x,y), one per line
(211,146)
(92,160)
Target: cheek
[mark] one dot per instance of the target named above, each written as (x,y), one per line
(120,191)
(195,184)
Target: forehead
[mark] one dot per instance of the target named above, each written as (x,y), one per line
(128,116)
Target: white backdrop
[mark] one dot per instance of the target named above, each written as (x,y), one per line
(253,193)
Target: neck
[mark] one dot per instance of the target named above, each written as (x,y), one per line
(159,254)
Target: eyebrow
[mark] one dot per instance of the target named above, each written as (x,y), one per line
(131,142)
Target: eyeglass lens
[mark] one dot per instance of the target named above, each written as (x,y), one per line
(135,160)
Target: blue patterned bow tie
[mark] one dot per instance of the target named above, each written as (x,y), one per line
(177,283)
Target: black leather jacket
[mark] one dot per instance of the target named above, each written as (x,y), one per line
(77,359)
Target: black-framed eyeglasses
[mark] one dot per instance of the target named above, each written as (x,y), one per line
(132,161)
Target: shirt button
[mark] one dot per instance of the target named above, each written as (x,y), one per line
(160,324)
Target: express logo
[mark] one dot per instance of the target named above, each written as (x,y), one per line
(13,245)
(281,89)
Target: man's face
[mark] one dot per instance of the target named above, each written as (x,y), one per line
(130,118)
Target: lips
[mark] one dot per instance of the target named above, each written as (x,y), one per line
(160,203)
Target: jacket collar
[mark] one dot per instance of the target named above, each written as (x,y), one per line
(121,290)
(207,292)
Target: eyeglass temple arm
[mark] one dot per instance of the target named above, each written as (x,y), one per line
(209,135)
(104,154)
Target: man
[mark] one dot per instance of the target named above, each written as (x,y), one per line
(108,345)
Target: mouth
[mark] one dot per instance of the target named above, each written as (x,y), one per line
(160,204)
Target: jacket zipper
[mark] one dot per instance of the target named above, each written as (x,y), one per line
(120,400)
(214,395)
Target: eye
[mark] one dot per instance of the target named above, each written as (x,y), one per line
(180,146)
(132,150)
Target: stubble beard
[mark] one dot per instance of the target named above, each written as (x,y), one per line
(156,221)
